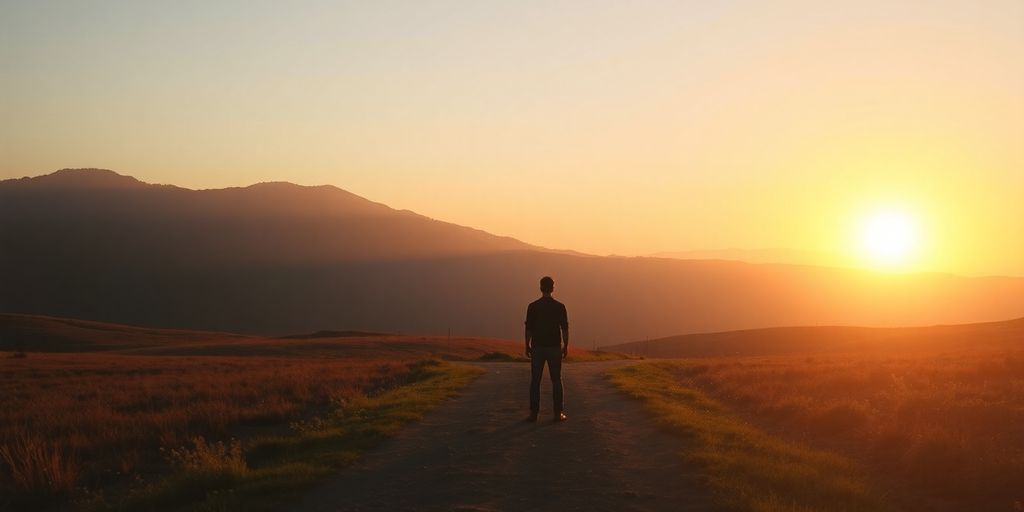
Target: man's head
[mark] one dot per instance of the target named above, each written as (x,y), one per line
(547,285)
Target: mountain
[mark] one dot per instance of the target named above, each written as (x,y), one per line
(277,258)
(834,339)
(89,216)
(78,179)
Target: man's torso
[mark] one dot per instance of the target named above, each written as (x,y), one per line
(544,318)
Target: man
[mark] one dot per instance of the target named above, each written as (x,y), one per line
(547,327)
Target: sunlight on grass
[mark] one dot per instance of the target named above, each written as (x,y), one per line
(941,430)
(271,470)
(746,468)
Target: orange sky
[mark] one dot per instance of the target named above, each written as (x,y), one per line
(617,128)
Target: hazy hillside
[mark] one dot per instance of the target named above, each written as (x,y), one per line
(39,333)
(35,333)
(103,218)
(281,259)
(833,339)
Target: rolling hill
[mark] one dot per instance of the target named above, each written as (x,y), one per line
(35,333)
(833,339)
(277,258)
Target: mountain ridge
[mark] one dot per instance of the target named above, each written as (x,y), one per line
(326,213)
(82,177)
(279,258)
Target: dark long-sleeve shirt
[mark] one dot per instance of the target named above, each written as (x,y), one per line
(545,319)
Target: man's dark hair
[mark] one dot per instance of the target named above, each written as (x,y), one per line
(547,284)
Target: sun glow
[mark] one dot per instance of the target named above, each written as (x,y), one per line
(889,239)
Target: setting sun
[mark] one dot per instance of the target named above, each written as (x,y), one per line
(889,238)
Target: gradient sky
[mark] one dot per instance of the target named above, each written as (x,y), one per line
(606,127)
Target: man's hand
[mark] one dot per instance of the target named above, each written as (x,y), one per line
(529,352)
(565,351)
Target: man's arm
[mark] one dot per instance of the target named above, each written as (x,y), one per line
(565,333)
(527,336)
(529,350)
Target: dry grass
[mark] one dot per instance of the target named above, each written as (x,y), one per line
(206,457)
(93,420)
(215,476)
(940,431)
(746,468)
(39,467)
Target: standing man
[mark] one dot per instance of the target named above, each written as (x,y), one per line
(547,341)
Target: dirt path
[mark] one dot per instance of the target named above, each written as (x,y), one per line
(475,453)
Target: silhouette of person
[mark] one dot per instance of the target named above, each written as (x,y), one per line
(547,341)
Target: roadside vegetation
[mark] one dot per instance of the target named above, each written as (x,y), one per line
(746,468)
(116,432)
(933,431)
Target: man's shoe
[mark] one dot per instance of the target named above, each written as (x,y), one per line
(532,417)
(561,417)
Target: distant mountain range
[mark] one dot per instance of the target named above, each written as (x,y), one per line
(278,258)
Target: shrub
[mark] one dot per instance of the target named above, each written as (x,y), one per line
(210,458)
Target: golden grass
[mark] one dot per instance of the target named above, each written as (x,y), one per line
(275,468)
(941,431)
(746,468)
(101,425)
(39,467)
(935,431)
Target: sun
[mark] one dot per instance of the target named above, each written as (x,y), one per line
(889,238)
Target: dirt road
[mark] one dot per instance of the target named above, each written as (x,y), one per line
(475,453)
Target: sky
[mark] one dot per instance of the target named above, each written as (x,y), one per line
(623,128)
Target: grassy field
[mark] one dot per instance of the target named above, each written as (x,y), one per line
(102,431)
(745,467)
(104,416)
(274,468)
(926,430)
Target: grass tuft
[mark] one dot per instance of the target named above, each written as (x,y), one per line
(38,468)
